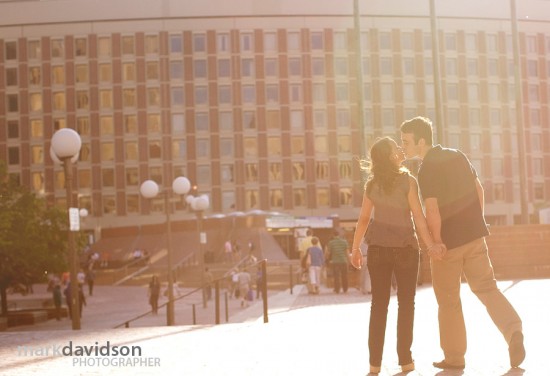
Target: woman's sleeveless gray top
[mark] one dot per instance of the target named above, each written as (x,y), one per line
(392,224)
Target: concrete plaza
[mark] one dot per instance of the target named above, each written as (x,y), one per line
(322,334)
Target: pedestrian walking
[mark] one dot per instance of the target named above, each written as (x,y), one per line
(154,294)
(337,249)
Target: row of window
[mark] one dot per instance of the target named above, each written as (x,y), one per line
(245,43)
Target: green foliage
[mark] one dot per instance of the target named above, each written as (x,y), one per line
(33,235)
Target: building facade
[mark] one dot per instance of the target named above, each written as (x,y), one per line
(259,104)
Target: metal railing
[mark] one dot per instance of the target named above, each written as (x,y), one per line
(216,282)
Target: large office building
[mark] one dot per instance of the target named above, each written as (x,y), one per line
(267,105)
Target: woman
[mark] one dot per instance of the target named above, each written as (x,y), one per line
(392,193)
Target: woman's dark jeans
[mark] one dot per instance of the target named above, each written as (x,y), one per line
(382,262)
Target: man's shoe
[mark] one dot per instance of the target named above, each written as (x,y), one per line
(444,365)
(516,350)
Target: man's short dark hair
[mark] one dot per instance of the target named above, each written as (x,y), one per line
(420,127)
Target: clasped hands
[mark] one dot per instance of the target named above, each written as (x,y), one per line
(437,251)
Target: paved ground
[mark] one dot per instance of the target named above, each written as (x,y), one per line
(322,334)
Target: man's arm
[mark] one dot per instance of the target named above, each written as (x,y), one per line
(433,218)
(481,195)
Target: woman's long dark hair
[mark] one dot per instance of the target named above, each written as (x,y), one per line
(380,167)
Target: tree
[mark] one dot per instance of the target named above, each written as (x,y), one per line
(33,237)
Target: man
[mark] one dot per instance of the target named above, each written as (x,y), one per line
(337,250)
(453,199)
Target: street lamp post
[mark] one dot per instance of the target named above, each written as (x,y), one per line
(150,189)
(199,204)
(66,144)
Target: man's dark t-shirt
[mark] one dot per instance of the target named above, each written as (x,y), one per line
(448,176)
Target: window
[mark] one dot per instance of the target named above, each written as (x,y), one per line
(273,120)
(498,192)
(270,42)
(226,121)
(179,149)
(105,99)
(247,68)
(345,169)
(251,172)
(247,42)
(492,45)
(59,101)
(109,205)
(201,122)
(13,155)
(85,179)
(128,71)
(82,100)
(11,76)
(251,199)
(451,66)
(104,47)
(83,126)
(471,43)
(322,170)
(250,147)
(271,67)
(319,92)
(35,76)
(344,144)
(452,92)
(199,43)
(274,146)
(538,191)
(224,94)
(223,42)
(299,197)
(132,204)
(475,142)
(224,68)
(38,181)
(199,68)
(385,40)
(227,175)
(151,44)
(153,123)
(81,47)
(318,66)
(320,119)
(532,68)
(108,177)
(153,96)
(129,97)
(276,198)
(13,129)
(107,151)
(35,100)
(538,169)
(106,126)
(294,66)
(176,70)
(226,147)
(58,48)
(341,66)
(155,149)
(11,50)
(472,67)
(130,124)
(58,75)
(201,95)
(343,118)
(297,145)
(81,74)
(497,166)
(275,172)
(321,145)
(249,94)
(408,66)
(249,120)
(298,171)
(345,196)
(293,41)
(128,45)
(105,73)
(450,42)
(177,97)
(409,92)
(386,67)
(272,93)
(387,91)
(296,120)
(317,40)
(496,142)
(295,93)
(152,70)
(340,41)
(35,51)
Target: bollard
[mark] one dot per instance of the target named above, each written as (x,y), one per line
(194,316)
(264,288)
(291,281)
(217,297)
(226,308)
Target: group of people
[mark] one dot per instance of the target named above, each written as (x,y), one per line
(60,287)
(334,258)
(452,228)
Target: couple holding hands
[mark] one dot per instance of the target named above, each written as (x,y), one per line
(453,229)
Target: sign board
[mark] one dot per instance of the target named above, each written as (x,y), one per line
(292,222)
(74,219)
(544,216)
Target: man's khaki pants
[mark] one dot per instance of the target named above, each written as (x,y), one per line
(472,259)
